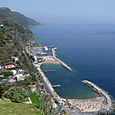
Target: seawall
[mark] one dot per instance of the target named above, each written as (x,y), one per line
(49,86)
(108,106)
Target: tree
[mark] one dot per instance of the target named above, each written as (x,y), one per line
(1,90)
(7,74)
(17,95)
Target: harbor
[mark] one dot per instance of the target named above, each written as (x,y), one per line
(101,103)
(50,59)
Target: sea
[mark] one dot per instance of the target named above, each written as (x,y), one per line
(88,48)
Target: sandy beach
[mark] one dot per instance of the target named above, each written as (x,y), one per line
(49,60)
(88,105)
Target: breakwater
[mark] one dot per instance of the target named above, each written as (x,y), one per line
(108,106)
(60,61)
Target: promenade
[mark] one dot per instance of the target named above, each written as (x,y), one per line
(49,86)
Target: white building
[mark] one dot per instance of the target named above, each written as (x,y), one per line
(1,25)
(19,77)
(15,59)
(1,67)
(14,72)
(9,66)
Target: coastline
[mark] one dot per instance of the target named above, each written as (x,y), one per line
(89,105)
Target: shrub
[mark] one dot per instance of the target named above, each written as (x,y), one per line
(8,73)
(1,90)
(17,95)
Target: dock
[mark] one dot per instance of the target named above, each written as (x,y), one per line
(56,86)
(60,61)
(108,107)
(49,70)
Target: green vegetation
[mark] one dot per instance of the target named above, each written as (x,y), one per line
(17,17)
(17,95)
(9,108)
(14,36)
(1,90)
(40,102)
(7,74)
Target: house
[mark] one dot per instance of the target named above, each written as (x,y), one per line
(1,26)
(14,72)
(52,102)
(14,59)
(12,81)
(33,88)
(19,77)
(21,71)
(9,66)
(1,77)
(1,67)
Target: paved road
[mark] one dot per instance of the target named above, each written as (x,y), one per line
(70,111)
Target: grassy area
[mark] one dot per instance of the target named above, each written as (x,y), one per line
(9,108)
(34,98)
(40,102)
(37,101)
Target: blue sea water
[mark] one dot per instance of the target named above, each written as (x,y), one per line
(70,85)
(88,48)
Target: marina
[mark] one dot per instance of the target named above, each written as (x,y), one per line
(100,103)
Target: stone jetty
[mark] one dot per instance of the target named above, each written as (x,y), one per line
(60,61)
(108,106)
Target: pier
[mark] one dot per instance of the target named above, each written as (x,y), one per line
(60,61)
(56,85)
(49,70)
(107,107)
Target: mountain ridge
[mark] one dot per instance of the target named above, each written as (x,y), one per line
(16,17)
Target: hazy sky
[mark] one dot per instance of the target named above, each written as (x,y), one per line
(65,10)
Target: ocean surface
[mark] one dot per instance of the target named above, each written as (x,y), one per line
(88,48)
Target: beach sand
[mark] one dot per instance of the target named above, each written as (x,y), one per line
(88,105)
(49,60)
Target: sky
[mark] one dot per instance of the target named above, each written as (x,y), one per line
(102,11)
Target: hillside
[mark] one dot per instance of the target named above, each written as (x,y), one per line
(9,108)
(17,74)
(16,17)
